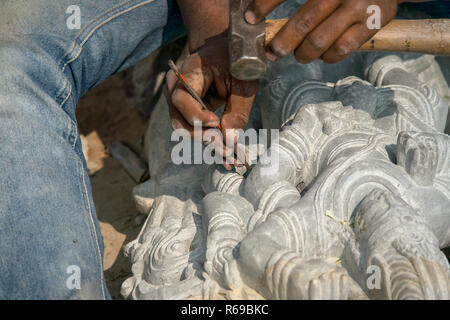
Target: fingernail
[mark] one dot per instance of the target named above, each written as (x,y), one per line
(232,135)
(212,124)
(250,17)
(174,124)
(237,163)
(207,140)
(271,57)
(343,51)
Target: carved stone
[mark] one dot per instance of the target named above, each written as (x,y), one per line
(362,190)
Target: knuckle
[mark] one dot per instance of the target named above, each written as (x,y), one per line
(344,48)
(358,6)
(240,119)
(346,45)
(303,25)
(323,5)
(278,48)
(318,41)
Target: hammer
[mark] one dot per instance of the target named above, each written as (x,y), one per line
(247,42)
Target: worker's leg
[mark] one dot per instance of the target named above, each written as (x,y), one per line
(49,236)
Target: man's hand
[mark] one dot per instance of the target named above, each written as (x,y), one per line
(206,24)
(209,66)
(326,29)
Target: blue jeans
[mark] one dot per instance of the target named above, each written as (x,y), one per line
(49,234)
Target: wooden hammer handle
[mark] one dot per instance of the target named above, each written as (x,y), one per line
(422,36)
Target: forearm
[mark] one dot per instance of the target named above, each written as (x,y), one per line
(203,19)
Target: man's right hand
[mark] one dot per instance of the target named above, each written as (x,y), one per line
(326,29)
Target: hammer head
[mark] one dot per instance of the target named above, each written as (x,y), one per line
(246,44)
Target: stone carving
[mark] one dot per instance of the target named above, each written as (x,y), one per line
(358,209)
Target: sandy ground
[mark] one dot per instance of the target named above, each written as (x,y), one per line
(106,114)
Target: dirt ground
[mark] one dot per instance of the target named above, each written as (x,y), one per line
(106,114)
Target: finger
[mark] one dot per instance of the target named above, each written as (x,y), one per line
(171,81)
(203,135)
(348,42)
(309,16)
(200,80)
(177,119)
(225,152)
(259,9)
(217,96)
(324,35)
(239,105)
(358,33)
(178,122)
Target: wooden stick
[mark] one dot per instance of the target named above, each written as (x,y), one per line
(132,164)
(430,36)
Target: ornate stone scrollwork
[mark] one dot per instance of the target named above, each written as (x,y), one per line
(358,209)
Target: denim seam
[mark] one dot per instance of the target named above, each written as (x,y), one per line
(61,92)
(78,53)
(93,22)
(73,124)
(91,225)
(120,11)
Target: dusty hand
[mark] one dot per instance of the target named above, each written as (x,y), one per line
(326,29)
(209,66)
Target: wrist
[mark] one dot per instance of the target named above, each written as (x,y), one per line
(198,35)
(203,20)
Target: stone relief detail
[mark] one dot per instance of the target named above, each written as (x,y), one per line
(363,184)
